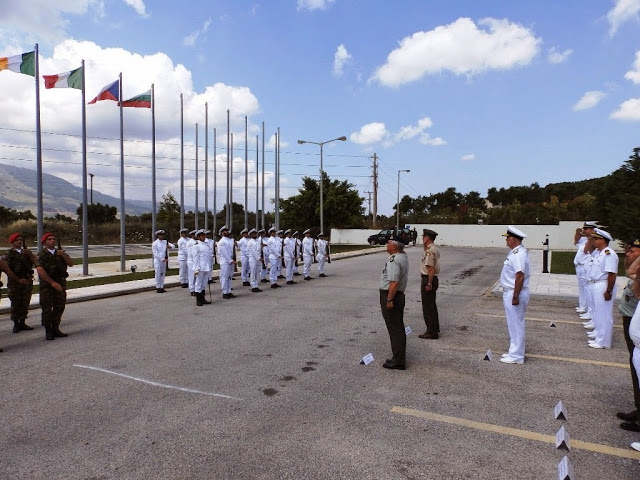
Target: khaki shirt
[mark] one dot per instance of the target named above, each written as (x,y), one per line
(430,258)
(395,270)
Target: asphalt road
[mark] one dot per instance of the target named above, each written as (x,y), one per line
(269,386)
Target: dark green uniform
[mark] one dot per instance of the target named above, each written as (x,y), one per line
(52,302)
(20,295)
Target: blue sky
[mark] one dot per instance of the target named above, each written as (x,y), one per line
(466,94)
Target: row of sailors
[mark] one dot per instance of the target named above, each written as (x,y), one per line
(261,257)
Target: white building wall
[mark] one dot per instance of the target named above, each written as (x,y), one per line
(560,236)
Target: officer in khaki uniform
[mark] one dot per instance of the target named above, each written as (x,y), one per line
(52,266)
(20,261)
(429,270)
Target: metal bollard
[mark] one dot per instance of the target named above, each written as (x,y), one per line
(545,255)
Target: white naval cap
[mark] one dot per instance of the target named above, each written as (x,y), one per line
(253,230)
(598,233)
(321,234)
(160,232)
(222,229)
(279,232)
(514,232)
(207,232)
(272,229)
(192,232)
(184,230)
(287,231)
(262,230)
(306,231)
(295,233)
(591,224)
(244,230)
(200,232)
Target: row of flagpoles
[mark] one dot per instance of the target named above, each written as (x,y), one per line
(28,64)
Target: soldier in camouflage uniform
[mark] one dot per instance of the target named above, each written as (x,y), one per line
(20,261)
(52,266)
(12,276)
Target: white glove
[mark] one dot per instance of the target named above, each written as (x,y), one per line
(196,272)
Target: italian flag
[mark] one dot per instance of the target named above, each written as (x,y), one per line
(72,79)
(139,101)
(25,63)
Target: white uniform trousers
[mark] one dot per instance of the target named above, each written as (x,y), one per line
(602,313)
(244,272)
(307,265)
(273,269)
(201,280)
(582,287)
(254,271)
(515,321)
(636,360)
(191,277)
(183,270)
(321,259)
(226,271)
(288,263)
(160,267)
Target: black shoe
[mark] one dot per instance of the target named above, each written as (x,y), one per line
(225,295)
(430,336)
(394,366)
(630,426)
(193,294)
(274,285)
(322,275)
(204,300)
(628,417)
(256,290)
(231,295)
(264,280)
(296,274)
(49,334)
(280,277)
(16,328)
(246,284)
(291,282)
(307,278)
(160,290)
(58,333)
(24,326)
(184,285)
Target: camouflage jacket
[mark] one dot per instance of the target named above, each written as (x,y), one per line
(54,265)
(19,264)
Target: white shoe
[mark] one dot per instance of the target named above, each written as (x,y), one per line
(510,359)
(593,344)
(591,334)
(585,316)
(581,310)
(635,446)
(589,325)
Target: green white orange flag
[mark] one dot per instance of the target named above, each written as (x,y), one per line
(24,63)
(72,79)
(139,101)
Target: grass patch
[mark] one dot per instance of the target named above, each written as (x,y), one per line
(562,263)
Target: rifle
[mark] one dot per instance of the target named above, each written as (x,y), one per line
(328,252)
(295,252)
(264,265)
(233,256)
(282,252)
(166,252)
(313,247)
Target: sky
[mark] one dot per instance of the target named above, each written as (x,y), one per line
(463,93)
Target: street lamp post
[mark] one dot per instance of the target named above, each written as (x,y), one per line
(398,204)
(91,175)
(300,142)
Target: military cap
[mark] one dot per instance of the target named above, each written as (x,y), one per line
(184,230)
(200,232)
(295,233)
(399,239)
(192,232)
(306,231)
(261,230)
(514,232)
(45,236)
(253,230)
(272,229)
(591,224)
(320,235)
(429,233)
(207,232)
(279,232)
(160,232)
(222,229)
(244,230)
(287,231)
(635,243)
(598,233)
(14,237)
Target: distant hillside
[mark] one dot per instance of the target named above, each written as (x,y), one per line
(19,187)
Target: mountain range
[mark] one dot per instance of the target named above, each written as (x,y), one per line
(59,196)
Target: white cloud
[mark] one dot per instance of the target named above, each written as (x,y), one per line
(634,75)
(190,40)
(468,157)
(462,47)
(61,118)
(622,12)
(312,5)
(370,133)
(340,59)
(589,100)
(629,110)
(377,133)
(555,56)
(138,6)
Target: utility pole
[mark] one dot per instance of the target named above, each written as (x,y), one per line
(375,189)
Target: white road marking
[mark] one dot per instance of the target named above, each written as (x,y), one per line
(155,384)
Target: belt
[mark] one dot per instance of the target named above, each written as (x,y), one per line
(425,275)
(597,281)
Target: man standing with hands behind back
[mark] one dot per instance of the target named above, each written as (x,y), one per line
(429,270)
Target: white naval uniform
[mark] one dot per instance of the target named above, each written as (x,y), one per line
(190,251)
(211,243)
(202,265)
(321,255)
(580,261)
(183,269)
(307,255)
(289,257)
(159,249)
(517,261)
(275,258)
(605,261)
(244,258)
(297,255)
(634,334)
(226,246)
(253,250)
(265,257)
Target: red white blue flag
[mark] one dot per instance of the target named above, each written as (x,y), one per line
(110,92)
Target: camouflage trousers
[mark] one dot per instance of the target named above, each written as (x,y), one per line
(20,296)
(52,303)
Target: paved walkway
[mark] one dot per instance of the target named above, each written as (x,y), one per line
(540,284)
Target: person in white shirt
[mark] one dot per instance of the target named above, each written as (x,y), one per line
(254,247)
(201,267)
(244,257)
(580,260)
(183,269)
(289,256)
(190,250)
(602,285)
(307,254)
(211,243)
(160,250)
(298,251)
(275,257)
(226,246)
(514,280)
(322,253)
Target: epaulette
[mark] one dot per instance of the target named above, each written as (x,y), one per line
(516,250)
(607,251)
(392,257)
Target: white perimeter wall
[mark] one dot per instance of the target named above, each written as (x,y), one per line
(560,236)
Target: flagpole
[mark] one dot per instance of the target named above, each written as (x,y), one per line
(276,211)
(231,188)
(85,206)
(263,214)
(196,212)
(215,181)
(153,162)
(257,185)
(206,165)
(246,174)
(123,255)
(228,144)
(39,193)
(181,162)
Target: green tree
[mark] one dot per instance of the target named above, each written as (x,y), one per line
(621,199)
(98,213)
(168,215)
